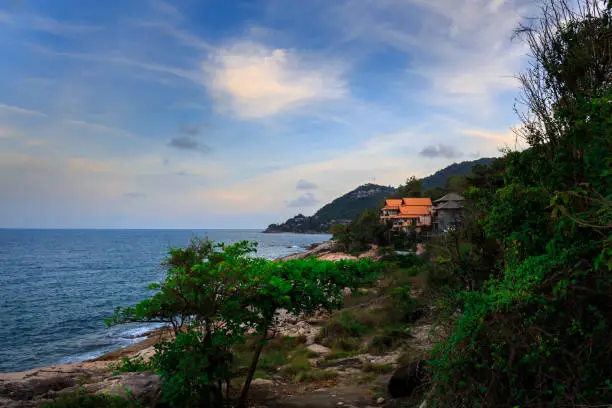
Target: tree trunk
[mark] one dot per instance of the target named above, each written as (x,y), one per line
(247,383)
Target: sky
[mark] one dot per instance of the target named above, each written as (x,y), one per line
(237,114)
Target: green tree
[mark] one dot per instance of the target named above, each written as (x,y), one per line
(213,294)
(412,188)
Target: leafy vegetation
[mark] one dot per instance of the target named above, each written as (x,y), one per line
(526,283)
(82,400)
(213,294)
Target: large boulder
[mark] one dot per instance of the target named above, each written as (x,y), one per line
(406,380)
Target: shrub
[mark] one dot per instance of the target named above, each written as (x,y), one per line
(389,339)
(131,365)
(80,400)
(377,368)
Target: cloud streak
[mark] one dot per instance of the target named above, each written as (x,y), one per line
(442,150)
(305,200)
(305,185)
(20,111)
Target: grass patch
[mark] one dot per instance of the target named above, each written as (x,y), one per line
(273,356)
(315,375)
(377,368)
(390,338)
(299,362)
(338,354)
(131,365)
(79,400)
(409,356)
(345,330)
(368,378)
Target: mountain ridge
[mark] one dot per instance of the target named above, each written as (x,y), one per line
(347,207)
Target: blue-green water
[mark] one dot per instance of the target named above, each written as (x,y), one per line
(57,286)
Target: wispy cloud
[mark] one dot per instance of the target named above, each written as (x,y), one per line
(135,195)
(305,185)
(305,200)
(20,111)
(465,56)
(98,127)
(47,24)
(252,80)
(166,8)
(187,74)
(190,129)
(442,150)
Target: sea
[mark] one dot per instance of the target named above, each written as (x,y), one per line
(57,286)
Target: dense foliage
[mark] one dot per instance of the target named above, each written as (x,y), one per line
(439,178)
(359,234)
(214,294)
(531,326)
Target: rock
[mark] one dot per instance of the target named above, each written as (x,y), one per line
(347,362)
(380,401)
(145,386)
(260,382)
(317,348)
(407,379)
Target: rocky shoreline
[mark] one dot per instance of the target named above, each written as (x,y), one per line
(32,387)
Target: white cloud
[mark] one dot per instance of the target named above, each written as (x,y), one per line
(252,80)
(20,111)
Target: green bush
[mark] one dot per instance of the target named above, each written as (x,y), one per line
(80,400)
(131,365)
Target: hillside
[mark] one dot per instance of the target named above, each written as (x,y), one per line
(346,208)
(438,179)
(342,210)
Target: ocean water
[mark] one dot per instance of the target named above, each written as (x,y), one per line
(57,286)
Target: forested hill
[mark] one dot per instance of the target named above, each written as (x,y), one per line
(342,210)
(346,208)
(439,178)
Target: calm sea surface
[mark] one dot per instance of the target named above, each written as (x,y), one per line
(57,286)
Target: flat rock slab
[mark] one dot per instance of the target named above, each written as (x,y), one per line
(339,397)
(317,348)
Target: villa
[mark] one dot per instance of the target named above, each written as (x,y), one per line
(407,212)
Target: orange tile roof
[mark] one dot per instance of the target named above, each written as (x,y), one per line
(393,202)
(391,207)
(415,210)
(417,201)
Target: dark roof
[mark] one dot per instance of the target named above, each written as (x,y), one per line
(450,197)
(449,205)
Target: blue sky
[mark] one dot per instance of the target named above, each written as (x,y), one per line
(236,114)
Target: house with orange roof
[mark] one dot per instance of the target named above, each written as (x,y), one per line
(407,212)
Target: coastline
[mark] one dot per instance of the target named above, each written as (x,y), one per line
(150,338)
(44,383)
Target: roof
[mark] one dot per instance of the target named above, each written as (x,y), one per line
(393,202)
(417,201)
(450,197)
(391,207)
(449,205)
(415,210)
